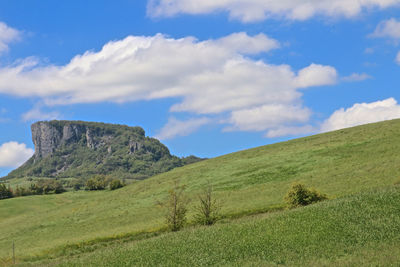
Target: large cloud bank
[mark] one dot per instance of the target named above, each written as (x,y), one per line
(206,77)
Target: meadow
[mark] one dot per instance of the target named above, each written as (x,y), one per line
(359,230)
(342,164)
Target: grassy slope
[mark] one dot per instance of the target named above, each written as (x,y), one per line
(338,163)
(359,230)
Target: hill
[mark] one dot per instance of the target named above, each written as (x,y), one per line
(358,230)
(81,149)
(340,163)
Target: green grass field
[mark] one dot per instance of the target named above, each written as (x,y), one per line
(339,164)
(359,230)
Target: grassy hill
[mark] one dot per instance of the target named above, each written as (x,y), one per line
(359,230)
(340,164)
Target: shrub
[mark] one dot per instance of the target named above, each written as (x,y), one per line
(299,195)
(58,187)
(98,182)
(5,192)
(21,191)
(115,184)
(175,208)
(207,210)
(76,184)
(44,186)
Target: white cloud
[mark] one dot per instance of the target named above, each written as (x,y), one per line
(13,154)
(258,10)
(388,28)
(268,117)
(362,114)
(37,114)
(316,75)
(242,43)
(398,58)
(134,68)
(206,77)
(176,127)
(7,35)
(356,77)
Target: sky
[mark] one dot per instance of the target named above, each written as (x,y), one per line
(205,77)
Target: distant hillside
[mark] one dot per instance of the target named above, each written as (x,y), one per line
(81,149)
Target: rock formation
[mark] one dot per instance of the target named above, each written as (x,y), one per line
(81,149)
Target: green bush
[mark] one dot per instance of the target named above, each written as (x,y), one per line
(41,187)
(115,184)
(45,186)
(22,191)
(299,195)
(98,182)
(76,184)
(5,192)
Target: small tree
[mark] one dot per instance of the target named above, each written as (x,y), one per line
(299,195)
(115,184)
(208,208)
(175,207)
(5,192)
(47,186)
(98,182)
(58,187)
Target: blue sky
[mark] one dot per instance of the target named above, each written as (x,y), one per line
(206,77)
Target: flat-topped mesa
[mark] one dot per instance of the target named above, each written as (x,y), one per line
(48,136)
(81,149)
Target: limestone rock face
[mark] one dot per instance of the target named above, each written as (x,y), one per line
(46,139)
(80,149)
(134,146)
(72,133)
(48,136)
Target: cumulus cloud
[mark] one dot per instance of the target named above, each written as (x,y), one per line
(134,68)
(356,77)
(388,29)
(13,154)
(268,117)
(37,114)
(316,75)
(7,35)
(362,114)
(176,127)
(206,77)
(258,10)
(243,43)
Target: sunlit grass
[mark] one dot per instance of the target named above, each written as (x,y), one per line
(358,230)
(337,164)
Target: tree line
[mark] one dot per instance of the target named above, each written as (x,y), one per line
(54,186)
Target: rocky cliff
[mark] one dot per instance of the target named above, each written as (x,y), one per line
(82,149)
